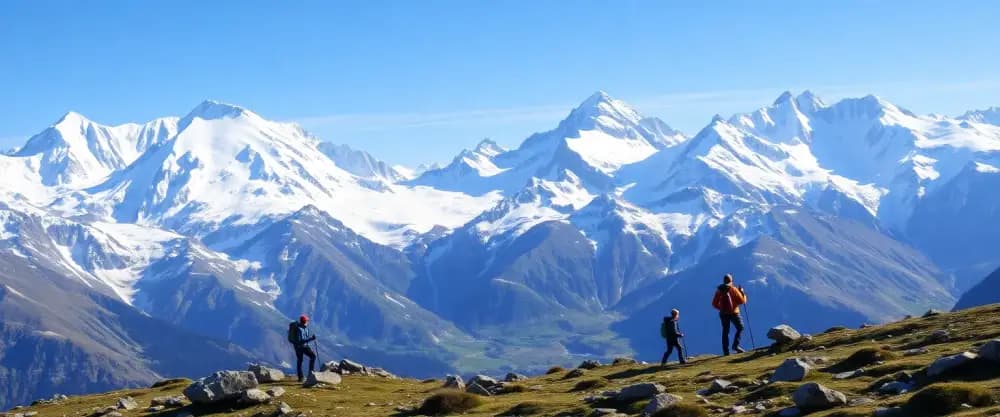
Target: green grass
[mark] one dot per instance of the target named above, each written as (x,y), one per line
(449,402)
(861,358)
(944,399)
(590,384)
(682,410)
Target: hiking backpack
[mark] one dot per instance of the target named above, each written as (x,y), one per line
(293,332)
(663,328)
(726,304)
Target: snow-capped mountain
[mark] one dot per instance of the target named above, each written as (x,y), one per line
(223,224)
(990,116)
(594,141)
(362,164)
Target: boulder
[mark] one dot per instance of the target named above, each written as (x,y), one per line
(642,391)
(659,402)
(813,396)
(791,370)
(326,378)
(990,351)
(127,403)
(895,388)
(454,382)
(850,374)
(265,374)
(947,363)
(482,380)
(220,386)
(172,402)
(939,336)
(589,364)
(719,385)
(513,377)
(381,373)
(624,361)
(783,334)
(576,373)
(276,392)
(351,366)
(254,396)
(932,312)
(474,388)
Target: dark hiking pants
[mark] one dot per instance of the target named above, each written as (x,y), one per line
(735,321)
(673,343)
(304,351)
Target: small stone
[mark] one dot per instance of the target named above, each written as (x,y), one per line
(454,382)
(316,378)
(850,374)
(719,385)
(576,373)
(915,351)
(939,336)
(813,396)
(276,392)
(793,369)
(659,402)
(284,409)
(895,388)
(127,403)
(513,377)
(640,391)
(155,408)
(254,396)
(854,402)
(931,313)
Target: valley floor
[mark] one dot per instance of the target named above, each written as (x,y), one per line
(554,394)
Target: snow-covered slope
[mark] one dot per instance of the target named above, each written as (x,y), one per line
(362,164)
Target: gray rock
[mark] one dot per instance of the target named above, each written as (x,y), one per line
(932,312)
(738,409)
(284,409)
(482,380)
(719,385)
(474,388)
(659,402)
(454,382)
(990,351)
(948,363)
(513,377)
(127,403)
(636,392)
(790,412)
(276,392)
(381,373)
(939,336)
(155,408)
(265,374)
(331,366)
(172,402)
(254,396)
(624,361)
(791,370)
(576,373)
(351,366)
(854,402)
(915,351)
(783,334)
(895,388)
(589,364)
(813,396)
(326,378)
(849,374)
(220,386)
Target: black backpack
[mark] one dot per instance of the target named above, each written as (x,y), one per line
(293,332)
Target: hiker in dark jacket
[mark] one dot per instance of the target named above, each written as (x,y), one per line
(728,300)
(670,331)
(300,336)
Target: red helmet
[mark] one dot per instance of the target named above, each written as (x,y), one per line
(303,319)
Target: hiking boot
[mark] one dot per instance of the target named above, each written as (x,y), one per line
(738,349)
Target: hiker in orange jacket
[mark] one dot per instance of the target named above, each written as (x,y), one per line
(728,300)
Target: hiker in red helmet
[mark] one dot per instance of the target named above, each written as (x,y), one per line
(299,336)
(728,300)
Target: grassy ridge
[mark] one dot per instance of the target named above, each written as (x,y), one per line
(881,347)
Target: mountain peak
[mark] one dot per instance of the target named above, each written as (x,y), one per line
(489,148)
(211,109)
(72,117)
(784,97)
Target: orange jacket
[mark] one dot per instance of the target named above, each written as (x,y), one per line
(739,298)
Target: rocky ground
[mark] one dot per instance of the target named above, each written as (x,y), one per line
(940,364)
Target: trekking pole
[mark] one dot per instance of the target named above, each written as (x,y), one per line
(316,346)
(750,327)
(684,343)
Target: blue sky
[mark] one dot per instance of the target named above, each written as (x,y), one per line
(415,81)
